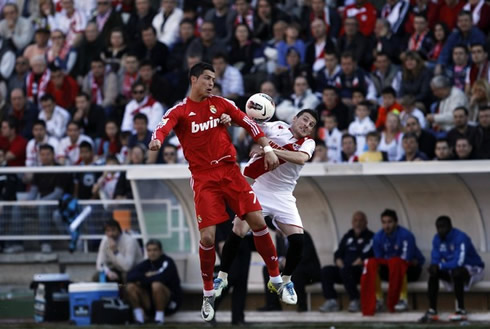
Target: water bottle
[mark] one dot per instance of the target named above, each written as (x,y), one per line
(102,277)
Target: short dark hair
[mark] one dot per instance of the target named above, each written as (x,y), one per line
(390,213)
(345,136)
(39,122)
(388,91)
(373,134)
(154,242)
(198,69)
(54,68)
(359,90)
(320,142)
(484,108)
(479,44)
(97,59)
(11,121)
(313,113)
(444,219)
(140,116)
(83,94)
(442,140)
(86,145)
(462,108)
(187,21)
(76,123)
(149,27)
(462,46)
(138,83)
(409,136)
(465,13)
(47,97)
(221,55)
(46,147)
(348,54)
(332,116)
(146,62)
(112,223)
(366,104)
(383,53)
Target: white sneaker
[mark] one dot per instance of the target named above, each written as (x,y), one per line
(330,305)
(285,291)
(354,306)
(401,306)
(219,285)
(207,309)
(46,248)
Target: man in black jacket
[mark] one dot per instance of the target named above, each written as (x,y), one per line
(154,285)
(354,248)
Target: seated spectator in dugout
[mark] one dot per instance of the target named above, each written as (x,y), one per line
(154,285)
(355,246)
(397,258)
(118,253)
(372,154)
(454,260)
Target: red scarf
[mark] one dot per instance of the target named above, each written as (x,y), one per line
(128,81)
(415,43)
(36,89)
(149,103)
(247,19)
(436,51)
(477,74)
(97,92)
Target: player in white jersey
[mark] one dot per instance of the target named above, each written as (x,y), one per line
(274,189)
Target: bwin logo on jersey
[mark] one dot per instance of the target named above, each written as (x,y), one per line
(211,123)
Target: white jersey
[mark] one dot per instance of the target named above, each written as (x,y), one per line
(148,106)
(56,125)
(32,150)
(394,149)
(71,26)
(71,152)
(333,140)
(283,178)
(359,129)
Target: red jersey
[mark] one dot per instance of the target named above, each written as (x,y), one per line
(205,141)
(366,16)
(17,147)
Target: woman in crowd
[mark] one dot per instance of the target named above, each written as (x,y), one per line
(391,137)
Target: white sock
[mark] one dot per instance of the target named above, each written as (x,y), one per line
(286,278)
(276,279)
(159,316)
(208,293)
(223,275)
(138,315)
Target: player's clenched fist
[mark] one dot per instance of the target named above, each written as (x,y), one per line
(154,145)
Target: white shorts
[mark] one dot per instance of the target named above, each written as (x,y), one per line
(476,274)
(280,206)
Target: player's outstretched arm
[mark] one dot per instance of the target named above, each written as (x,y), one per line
(270,158)
(154,145)
(296,157)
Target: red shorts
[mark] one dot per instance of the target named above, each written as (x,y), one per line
(214,189)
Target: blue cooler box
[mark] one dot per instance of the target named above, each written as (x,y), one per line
(83,294)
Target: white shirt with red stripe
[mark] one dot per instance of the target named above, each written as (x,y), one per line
(284,177)
(148,106)
(71,26)
(32,150)
(70,151)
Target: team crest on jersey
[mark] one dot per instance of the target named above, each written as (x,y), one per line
(296,146)
(199,219)
(213,109)
(442,247)
(164,122)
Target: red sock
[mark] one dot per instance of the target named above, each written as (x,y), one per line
(368,286)
(207,257)
(266,249)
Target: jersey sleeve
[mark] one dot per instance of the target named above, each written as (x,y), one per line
(408,247)
(308,147)
(169,120)
(459,256)
(242,120)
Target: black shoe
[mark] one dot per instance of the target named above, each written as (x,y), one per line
(429,316)
(269,308)
(239,323)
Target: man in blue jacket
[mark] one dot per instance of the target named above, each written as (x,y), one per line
(454,260)
(397,258)
(154,285)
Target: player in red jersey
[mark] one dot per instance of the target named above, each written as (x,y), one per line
(216,178)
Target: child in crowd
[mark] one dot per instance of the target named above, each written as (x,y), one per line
(362,125)
(389,105)
(372,154)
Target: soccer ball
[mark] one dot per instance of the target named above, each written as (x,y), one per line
(260,107)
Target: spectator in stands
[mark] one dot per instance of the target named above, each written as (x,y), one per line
(459,69)
(83,182)
(352,77)
(153,50)
(411,149)
(123,189)
(245,52)
(448,12)
(302,98)
(48,186)
(106,184)
(480,11)
(270,46)
(331,105)
(24,111)
(391,137)
(62,86)
(169,153)
(43,16)
(385,41)
(442,151)
(18,77)
(397,259)
(106,18)
(455,261)
(449,98)
(111,141)
(291,40)
(10,223)
(176,61)
(365,13)
(480,70)
(244,13)
(37,80)
(7,58)
(441,33)
(284,77)
(316,49)
(40,137)
(118,253)
(415,78)
(355,42)
(90,117)
(12,144)
(328,75)
(462,129)
(128,74)
(320,9)
(425,140)
(166,22)
(332,138)
(395,12)
(222,17)
(354,248)
(463,150)
(321,152)
(265,16)
(101,85)
(154,285)
(483,145)
(480,97)
(72,22)
(142,103)
(361,125)
(117,48)
(156,85)
(372,154)
(385,75)
(389,105)
(60,53)
(207,45)
(56,117)
(421,39)
(228,77)
(466,34)
(141,17)
(410,108)
(141,133)
(14,28)
(68,152)
(349,149)
(40,46)
(90,48)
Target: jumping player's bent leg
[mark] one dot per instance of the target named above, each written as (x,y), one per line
(207,257)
